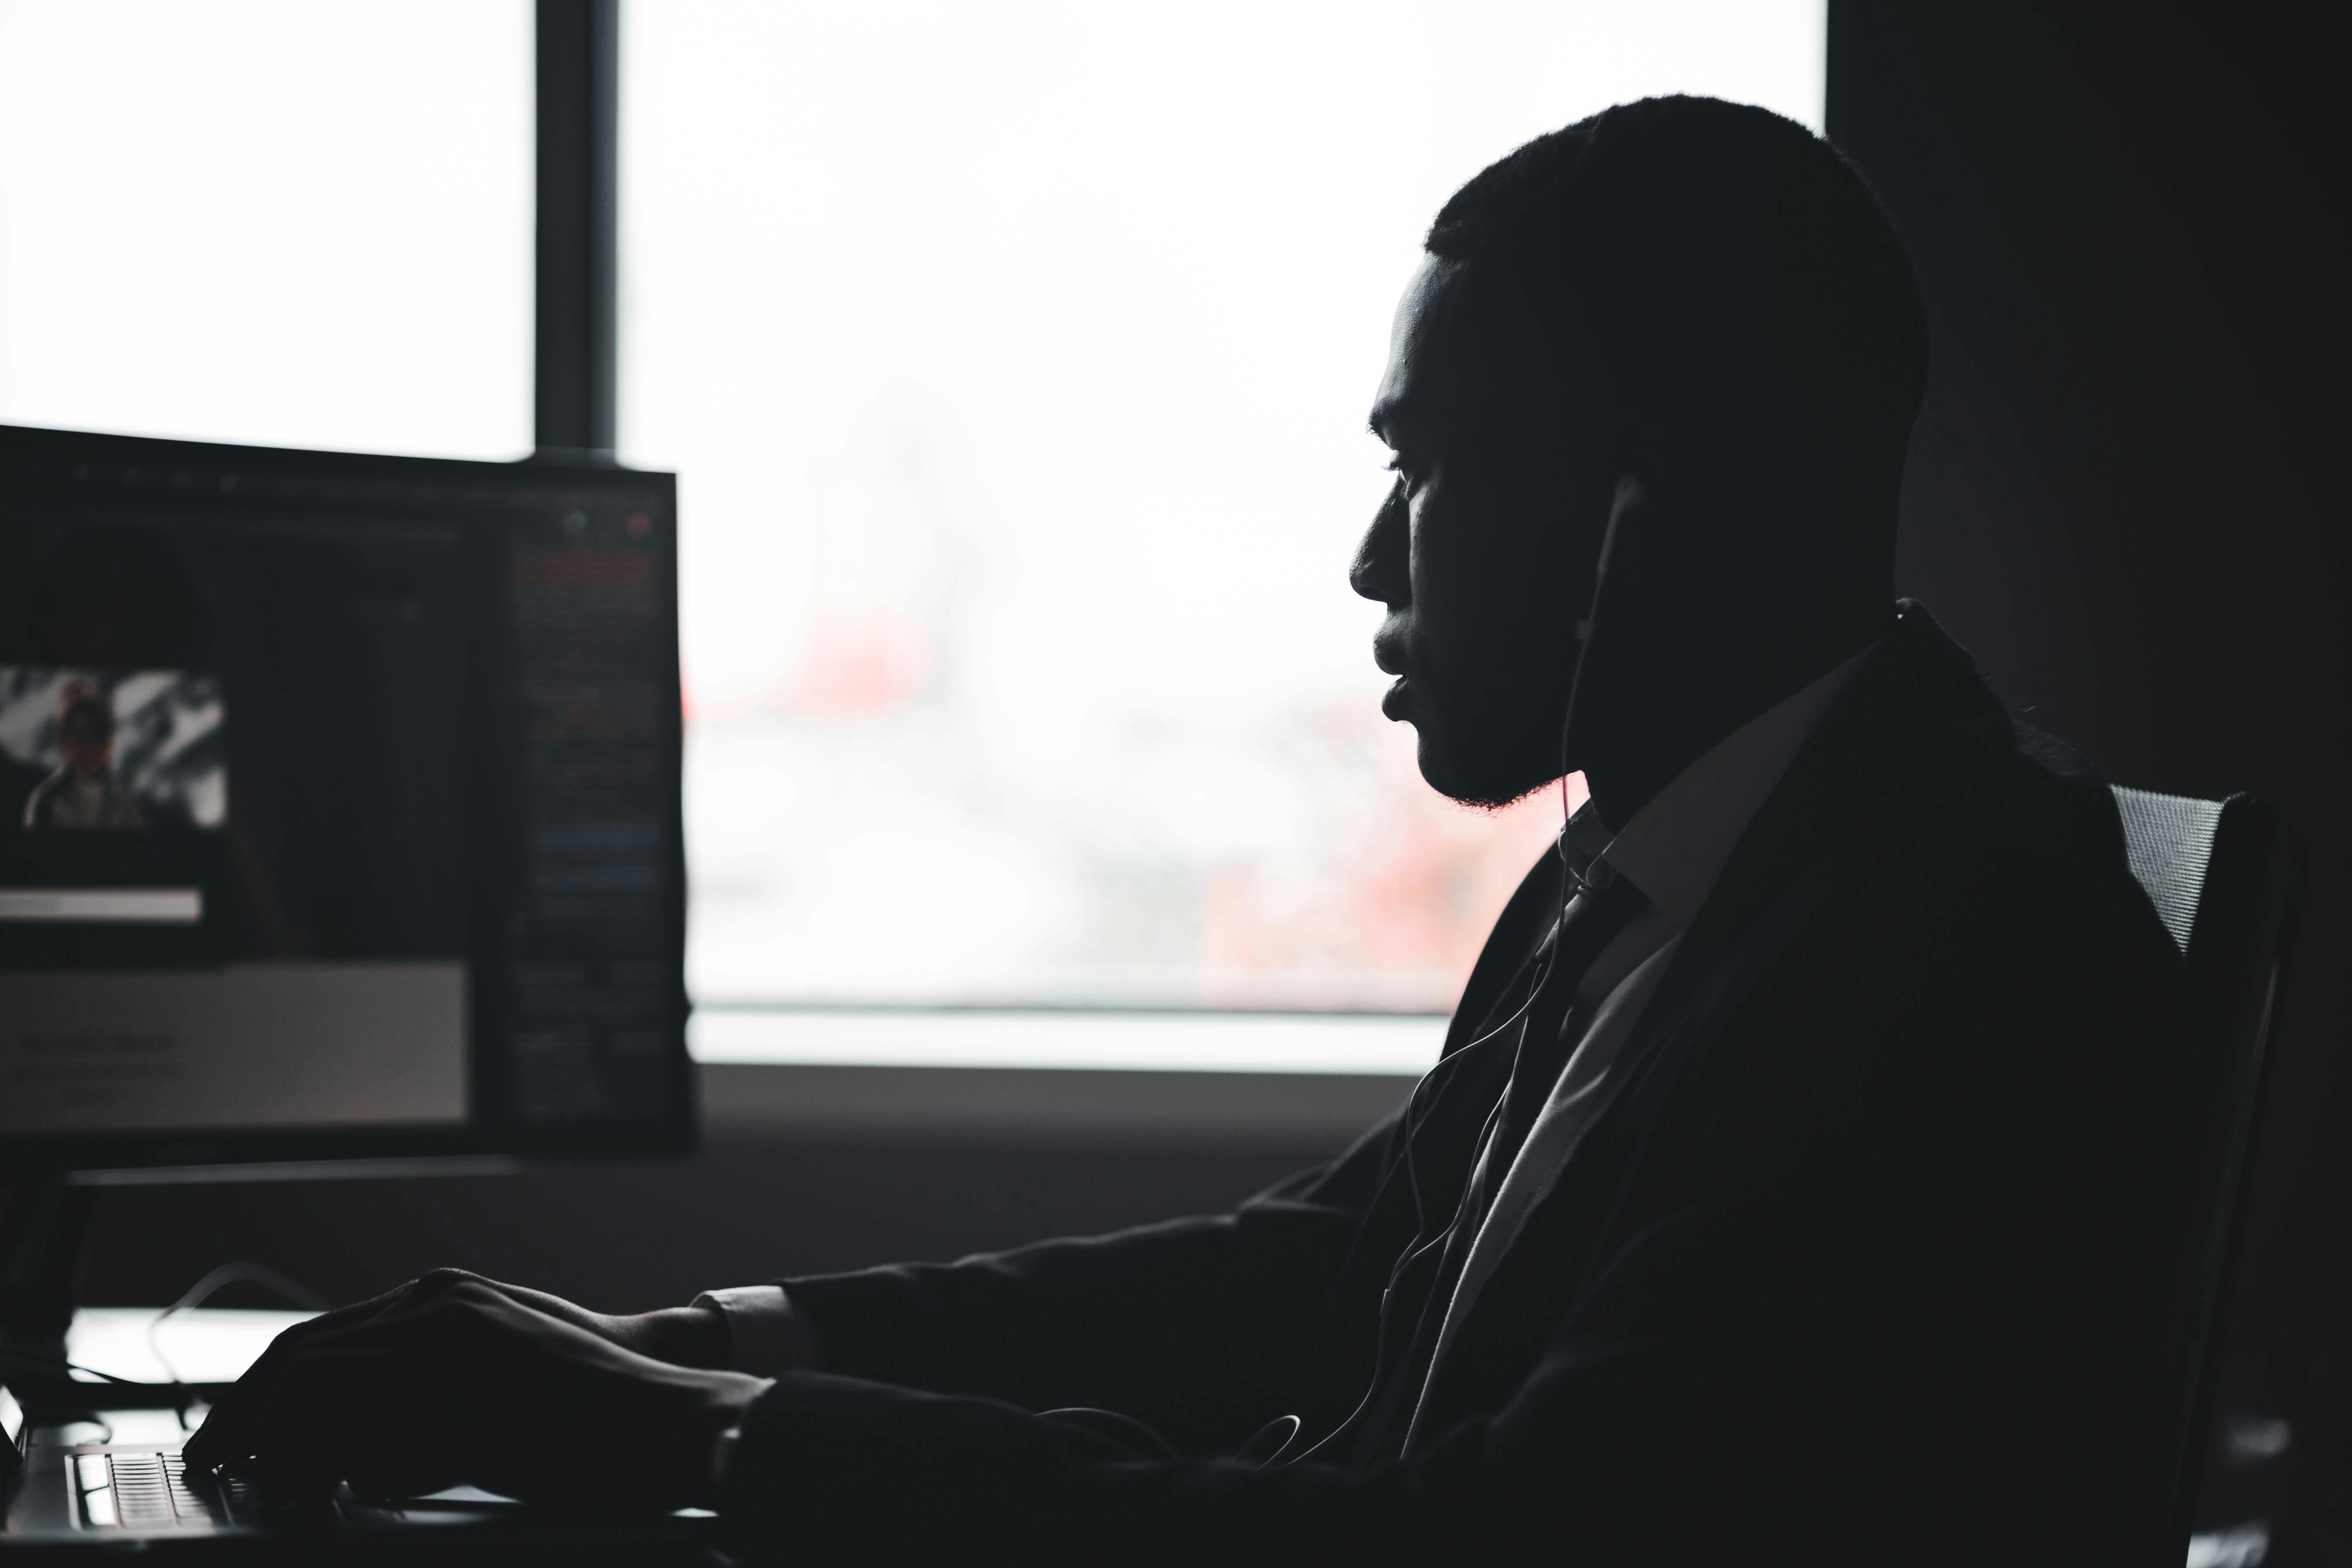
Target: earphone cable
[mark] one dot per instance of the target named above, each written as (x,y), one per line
(1628,494)
(219,1280)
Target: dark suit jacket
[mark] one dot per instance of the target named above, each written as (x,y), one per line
(1864,1262)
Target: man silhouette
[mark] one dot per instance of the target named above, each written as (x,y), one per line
(1793,1183)
(83,792)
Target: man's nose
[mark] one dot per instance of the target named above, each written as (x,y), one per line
(1380,568)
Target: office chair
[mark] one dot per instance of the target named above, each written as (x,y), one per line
(2225,877)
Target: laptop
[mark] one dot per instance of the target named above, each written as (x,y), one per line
(108,1480)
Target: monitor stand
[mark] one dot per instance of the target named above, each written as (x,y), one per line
(44,1222)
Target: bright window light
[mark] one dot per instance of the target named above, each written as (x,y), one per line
(269,221)
(1015,360)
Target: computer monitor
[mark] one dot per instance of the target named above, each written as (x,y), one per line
(338,807)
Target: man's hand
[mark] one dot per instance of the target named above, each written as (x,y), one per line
(686,1336)
(455,1379)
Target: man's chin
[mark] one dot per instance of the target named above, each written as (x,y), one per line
(1462,776)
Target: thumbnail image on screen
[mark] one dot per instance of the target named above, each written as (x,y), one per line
(120,750)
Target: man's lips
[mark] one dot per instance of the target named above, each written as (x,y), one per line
(1388,653)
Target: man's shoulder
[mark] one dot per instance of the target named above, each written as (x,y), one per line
(2056,785)
(1963,787)
(1982,861)
(2026,832)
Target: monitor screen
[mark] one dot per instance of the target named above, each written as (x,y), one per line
(339,806)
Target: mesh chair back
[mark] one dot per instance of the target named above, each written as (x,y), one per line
(2170,838)
(2224,877)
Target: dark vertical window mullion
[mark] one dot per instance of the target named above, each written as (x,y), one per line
(576,348)
(1836,69)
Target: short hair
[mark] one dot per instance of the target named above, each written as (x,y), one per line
(1743,259)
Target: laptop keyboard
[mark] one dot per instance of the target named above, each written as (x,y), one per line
(137,1492)
(151,1491)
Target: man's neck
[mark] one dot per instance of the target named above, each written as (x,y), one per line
(1670,736)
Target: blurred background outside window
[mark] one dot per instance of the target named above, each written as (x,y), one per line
(1015,360)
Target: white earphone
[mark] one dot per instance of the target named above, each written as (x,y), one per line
(1629,494)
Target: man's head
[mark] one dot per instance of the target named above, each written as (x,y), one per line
(1698,295)
(86,734)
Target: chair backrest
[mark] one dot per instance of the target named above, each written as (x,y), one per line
(2225,877)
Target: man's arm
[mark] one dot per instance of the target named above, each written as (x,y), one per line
(1177,1324)
(763,1331)
(1676,1450)
(1193,1325)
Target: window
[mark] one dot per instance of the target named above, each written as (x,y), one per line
(279,222)
(1014,360)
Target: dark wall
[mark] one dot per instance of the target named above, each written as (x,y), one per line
(2131,225)
(752,1206)
(803,1170)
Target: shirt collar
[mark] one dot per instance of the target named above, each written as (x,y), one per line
(1677,846)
